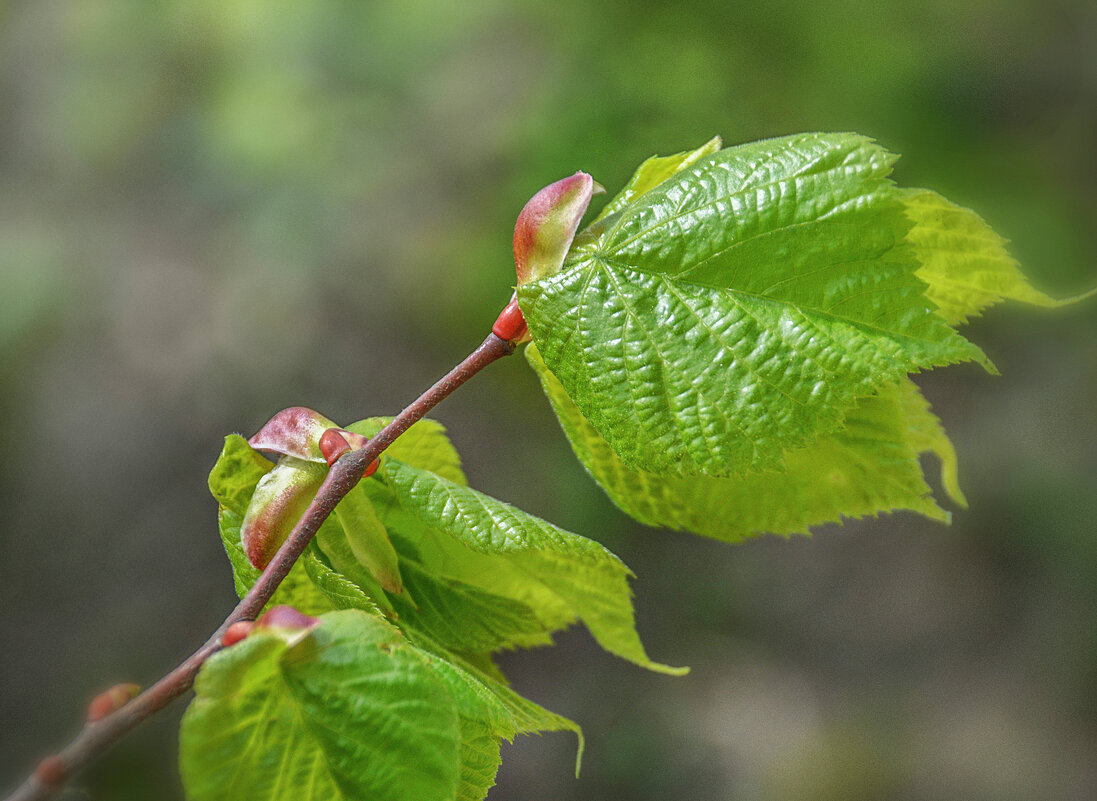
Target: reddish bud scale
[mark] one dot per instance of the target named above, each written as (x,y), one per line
(511,323)
(111,700)
(236,632)
(333,444)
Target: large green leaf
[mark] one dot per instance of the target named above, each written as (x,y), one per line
(741,306)
(585,578)
(964,262)
(867,466)
(349,710)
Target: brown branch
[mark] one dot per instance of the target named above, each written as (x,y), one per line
(97,736)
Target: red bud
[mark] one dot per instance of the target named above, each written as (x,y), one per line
(111,700)
(236,632)
(511,323)
(333,445)
(52,771)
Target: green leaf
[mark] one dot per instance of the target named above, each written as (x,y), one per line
(926,435)
(741,307)
(480,760)
(964,262)
(585,578)
(333,543)
(653,172)
(505,712)
(349,710)
(868,466)
(463,617)
(341,592)
(368,539)
(446,558)
(236,473)
(423,445)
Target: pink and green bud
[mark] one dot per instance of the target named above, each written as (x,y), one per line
(286,617)
(280,499)
(547,226)
(298,432)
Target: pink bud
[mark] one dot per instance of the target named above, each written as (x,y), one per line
(299,432)
(547,225)
(293,432)
(285,617)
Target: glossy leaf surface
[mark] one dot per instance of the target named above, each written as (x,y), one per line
(741,307)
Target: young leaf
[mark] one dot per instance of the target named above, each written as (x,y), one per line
(590,581)
(653,172)
(348,711)
(454,568)
(740,307)
(238,469)
(870,465)
(506,712)
(466,618)
(368,539)
(334,545)
(341,592)
(964,262)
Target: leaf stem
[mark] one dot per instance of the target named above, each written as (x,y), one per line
(96,737)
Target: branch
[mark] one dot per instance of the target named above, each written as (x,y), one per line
(97,736)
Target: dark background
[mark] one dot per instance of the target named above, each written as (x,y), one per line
(213,209)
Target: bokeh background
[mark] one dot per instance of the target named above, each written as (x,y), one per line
(213,209)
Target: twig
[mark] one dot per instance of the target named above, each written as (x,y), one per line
(96,737)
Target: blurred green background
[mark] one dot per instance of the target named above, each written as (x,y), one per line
(213,209)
